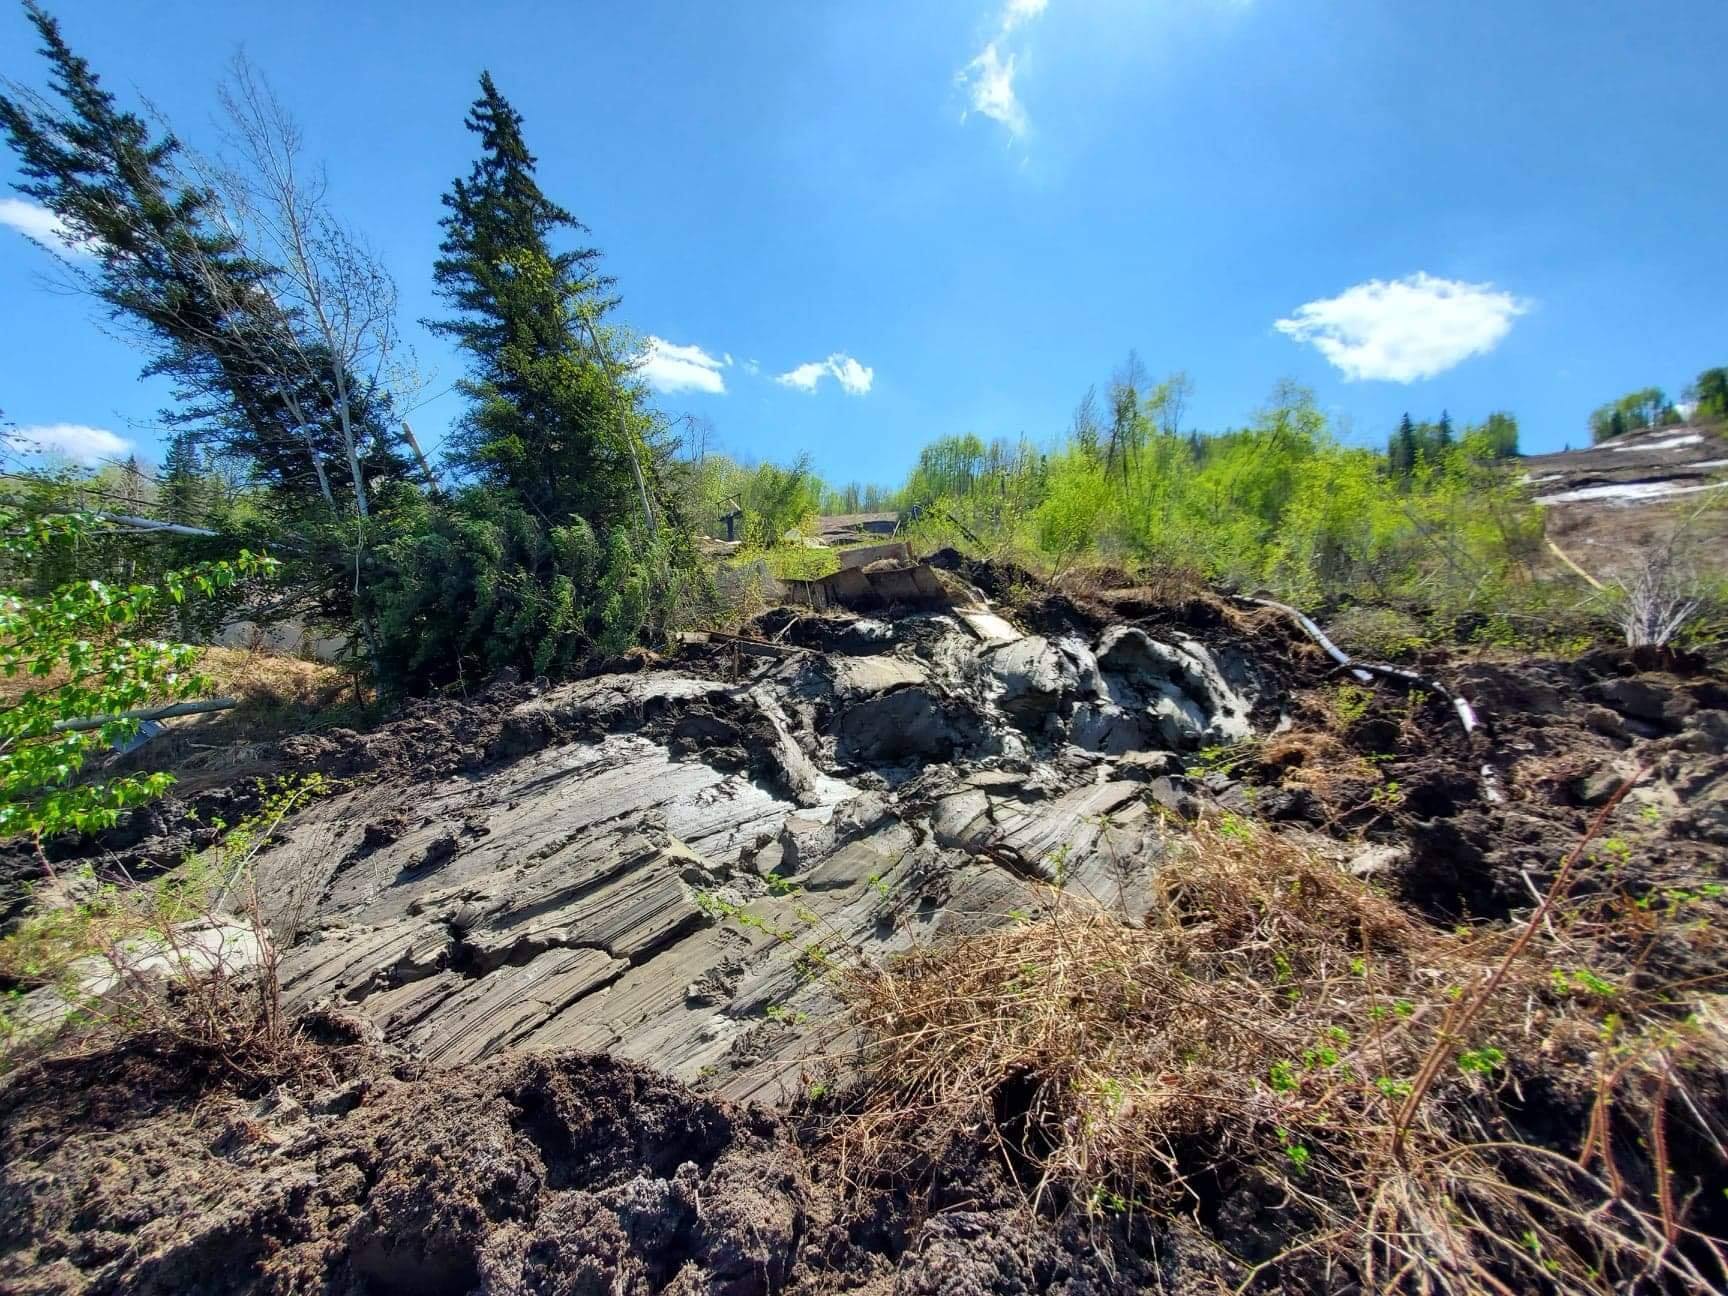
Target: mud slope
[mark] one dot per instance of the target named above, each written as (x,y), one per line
(526,918)
(1610,504)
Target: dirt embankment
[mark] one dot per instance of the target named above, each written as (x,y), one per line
(662,866)
(1612,507)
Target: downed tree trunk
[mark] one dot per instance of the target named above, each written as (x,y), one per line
(149,713)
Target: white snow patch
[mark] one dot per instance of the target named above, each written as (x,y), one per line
(1666,443)
(1625,492)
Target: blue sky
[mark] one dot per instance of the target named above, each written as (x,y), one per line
(942,218)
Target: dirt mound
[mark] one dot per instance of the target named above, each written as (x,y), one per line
(562,1174)
(1390,765)
(127,1171)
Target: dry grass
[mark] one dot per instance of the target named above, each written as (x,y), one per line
(1275,1021)
(261,678)
(263,681)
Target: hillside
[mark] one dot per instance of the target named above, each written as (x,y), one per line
(1204,894)
(1612,503)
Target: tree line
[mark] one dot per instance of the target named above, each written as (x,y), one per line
(563,523)
(555,536)
(1649,407)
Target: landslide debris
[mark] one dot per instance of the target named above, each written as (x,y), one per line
(125,1170)
(527,896)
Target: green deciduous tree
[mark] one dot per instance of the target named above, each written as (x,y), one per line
(1710,391)
(80,643)
(1645,408)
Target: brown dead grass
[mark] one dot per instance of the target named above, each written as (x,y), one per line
(279,695)
(261,680)
(1269,1021)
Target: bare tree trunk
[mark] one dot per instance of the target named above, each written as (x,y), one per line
(420,456)
(629,441)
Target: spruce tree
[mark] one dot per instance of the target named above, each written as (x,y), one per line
(168,268)
(550,420)
(1401,452)
(185,497)
(563,546)
(1443,433)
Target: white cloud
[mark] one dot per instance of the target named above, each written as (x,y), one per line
(854,379)
(669,367)
(85,445)
(43,226)
(1401,330)
(989,80)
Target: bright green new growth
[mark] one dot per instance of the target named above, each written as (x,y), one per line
(77,636)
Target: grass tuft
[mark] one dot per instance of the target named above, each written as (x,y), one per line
(1274,1021)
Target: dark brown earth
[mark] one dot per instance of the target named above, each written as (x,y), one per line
(371,1169)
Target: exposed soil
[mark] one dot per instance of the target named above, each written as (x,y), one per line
(525,900)
(1612,505)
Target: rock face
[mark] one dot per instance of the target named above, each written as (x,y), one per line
(655,864)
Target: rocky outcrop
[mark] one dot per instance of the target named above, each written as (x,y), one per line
(652,861)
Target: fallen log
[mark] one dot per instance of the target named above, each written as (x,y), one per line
(165,712)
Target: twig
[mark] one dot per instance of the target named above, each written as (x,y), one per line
(1465,1011)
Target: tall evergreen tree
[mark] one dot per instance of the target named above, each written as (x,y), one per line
(1443,433)
(168,266)
(563,544)
(185,498)
(552,419)
(1401,450)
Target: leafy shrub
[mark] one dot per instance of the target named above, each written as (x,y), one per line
(76,641)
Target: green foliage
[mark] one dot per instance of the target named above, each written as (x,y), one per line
(1415,444)
(1076,500)
(779,503)
(1280,505)
(1351,702)
(859,497)
(792,561)
(77,641)
(1710,391)
(1377,632)
(1647,407)
(482,583)
(1483,1061)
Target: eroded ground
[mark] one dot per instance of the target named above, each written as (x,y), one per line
(662,865)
